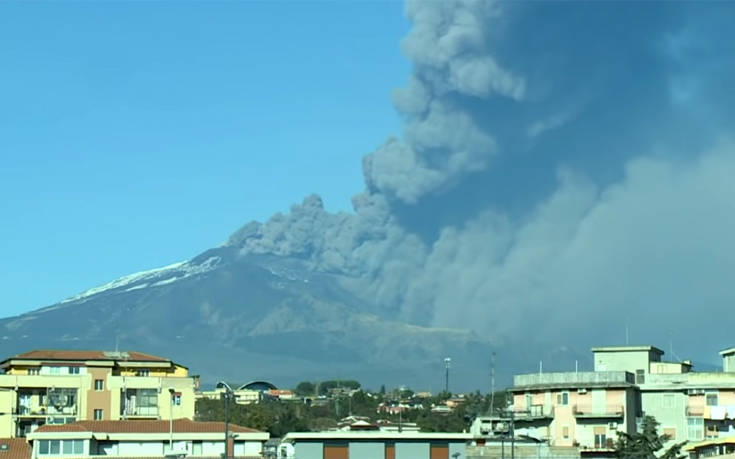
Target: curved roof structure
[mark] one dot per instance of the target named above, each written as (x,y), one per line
(258,385)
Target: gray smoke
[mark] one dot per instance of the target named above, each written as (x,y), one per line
(564,168)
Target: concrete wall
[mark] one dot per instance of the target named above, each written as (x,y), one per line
(624,360)
(669,409)
(131,448)
(213,448)
(309,450)
(411,450)
(367,450)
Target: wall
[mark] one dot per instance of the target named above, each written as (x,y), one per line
(410,451)
(669,409)
(97,399)
(7,406)
(367,450)
(130,448)
(213,448)
(309,450)
(624,360)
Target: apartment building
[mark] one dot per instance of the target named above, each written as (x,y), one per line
(64,386)
(587,409)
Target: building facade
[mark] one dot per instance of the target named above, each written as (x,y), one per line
(59,387)
(587,409)
(375,445)
(141,438)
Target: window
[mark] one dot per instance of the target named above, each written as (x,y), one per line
(54,370)
(34,371)
(99,384)
(73,370)
(54,446)
(98,415)
(66,447)
(562,398)
(600,437)
(640,376)
(43,447)
(695,428)
(176,399)
(143,372)
(565,432)
(711,398)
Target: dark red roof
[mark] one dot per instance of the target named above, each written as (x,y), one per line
(14,448)
(58,354)
(143,426)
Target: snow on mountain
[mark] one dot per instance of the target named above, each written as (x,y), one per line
(149,278)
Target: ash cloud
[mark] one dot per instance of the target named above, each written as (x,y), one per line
(564,168)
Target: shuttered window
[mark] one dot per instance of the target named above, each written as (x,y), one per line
(439,451)
(390,451)
(336,451)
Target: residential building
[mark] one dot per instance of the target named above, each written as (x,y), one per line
(628,382)
(63,386)
(375,445)
(145,438)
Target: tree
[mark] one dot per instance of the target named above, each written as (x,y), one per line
(305,388)
(645,444)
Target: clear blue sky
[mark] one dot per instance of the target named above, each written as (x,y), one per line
(137,134)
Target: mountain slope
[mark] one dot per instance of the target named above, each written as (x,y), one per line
(246,317)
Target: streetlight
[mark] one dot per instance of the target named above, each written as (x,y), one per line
(226,395)
(171,391)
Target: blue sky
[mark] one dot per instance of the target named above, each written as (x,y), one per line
(137,134)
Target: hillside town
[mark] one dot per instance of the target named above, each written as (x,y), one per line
(83,404)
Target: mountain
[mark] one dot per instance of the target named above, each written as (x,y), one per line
(237,317)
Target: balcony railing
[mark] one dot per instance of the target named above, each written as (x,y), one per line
(604,411)
(695,410)
(140,411)
(46,411)
(534,412)
(572,379)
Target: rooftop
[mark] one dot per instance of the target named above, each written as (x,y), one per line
(14,448)
(377,434)
(728,351)
(627,349)
(143,426)
(574,379)
(59,354)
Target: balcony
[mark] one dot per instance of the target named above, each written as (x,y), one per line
(534,413)
(598,412)
(139,403)
(695,410)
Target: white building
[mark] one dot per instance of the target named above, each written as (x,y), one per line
(144,438)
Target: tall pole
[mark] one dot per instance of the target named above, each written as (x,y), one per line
(227,423)
(171,419)
(226,395)
(447,361)
(512,435)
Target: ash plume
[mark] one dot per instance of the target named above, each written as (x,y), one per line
(563,168)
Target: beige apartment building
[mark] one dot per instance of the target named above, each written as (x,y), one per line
(63,386)
(587,409)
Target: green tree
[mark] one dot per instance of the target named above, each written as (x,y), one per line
(305,388)
(646,443)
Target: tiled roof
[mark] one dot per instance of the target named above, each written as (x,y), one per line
(14,448)
(57,354)
(143,426)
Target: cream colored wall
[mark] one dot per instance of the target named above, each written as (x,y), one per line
(184,385)
(7,407)
(622,361)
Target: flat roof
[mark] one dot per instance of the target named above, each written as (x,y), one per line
(729,350)
(377,434)
(627,349)
(182,425)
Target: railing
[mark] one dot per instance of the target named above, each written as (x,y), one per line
(574,378)
(46,411)
(604,411)
(695,411)
(534,412)
(142,411)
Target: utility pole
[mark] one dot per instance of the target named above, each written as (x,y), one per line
(226,396)
(171,420)
(447,362)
